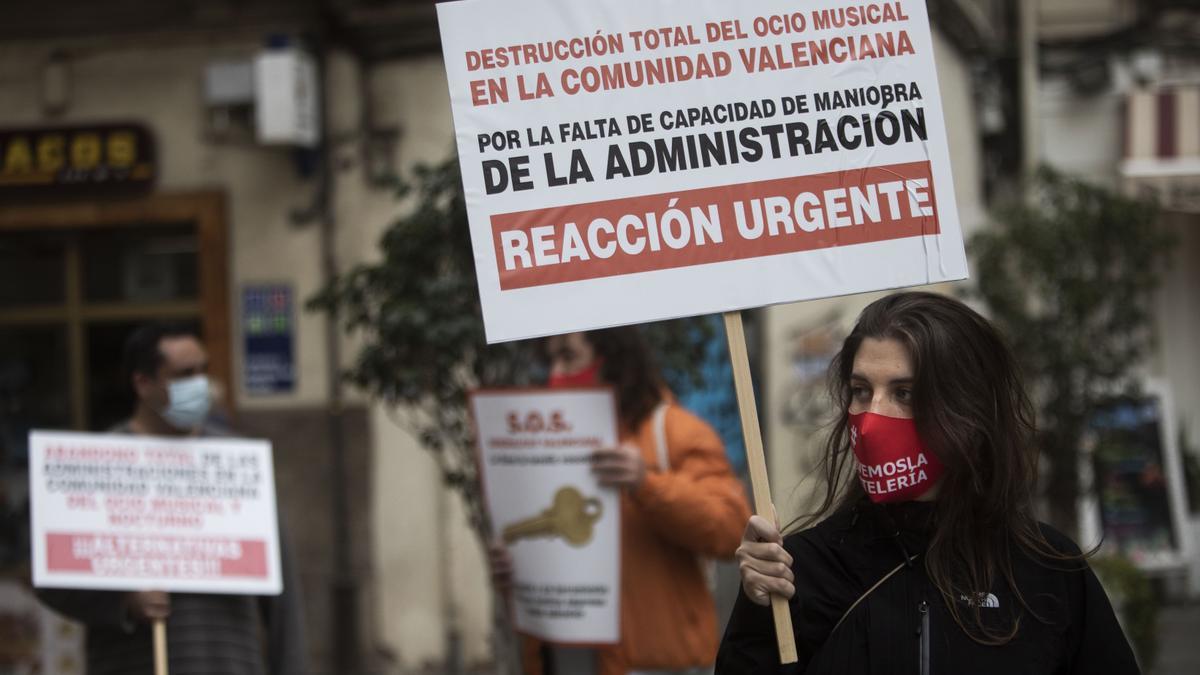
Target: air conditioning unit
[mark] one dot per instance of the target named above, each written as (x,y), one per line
(286,98)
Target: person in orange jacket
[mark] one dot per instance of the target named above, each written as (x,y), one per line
(680,505)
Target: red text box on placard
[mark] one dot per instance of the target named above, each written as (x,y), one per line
(732,222)
(137,555)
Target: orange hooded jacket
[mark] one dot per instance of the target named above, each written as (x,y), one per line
(696,508)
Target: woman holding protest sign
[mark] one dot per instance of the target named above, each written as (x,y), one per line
(932,560)
(680,502)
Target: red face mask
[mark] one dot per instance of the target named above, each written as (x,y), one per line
(893,464)
(588,377)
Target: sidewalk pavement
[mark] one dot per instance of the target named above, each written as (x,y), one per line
(1179,640)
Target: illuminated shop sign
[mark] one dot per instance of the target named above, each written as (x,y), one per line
(84,160)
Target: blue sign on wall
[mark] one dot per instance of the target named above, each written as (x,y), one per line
(267,324)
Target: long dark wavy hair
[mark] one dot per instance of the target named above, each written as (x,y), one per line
(629,366)
(971,410)
(631,369)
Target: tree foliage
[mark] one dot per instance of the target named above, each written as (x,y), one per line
(1133,595)
(1069,275)
(423,348)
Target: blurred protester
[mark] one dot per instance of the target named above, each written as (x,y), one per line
(206,634)
(680,503)
(926,556)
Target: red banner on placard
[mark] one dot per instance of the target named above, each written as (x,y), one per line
(134,555)
(707,225)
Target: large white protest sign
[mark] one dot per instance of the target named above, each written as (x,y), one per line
(562,529)
(137,513)
(633,160)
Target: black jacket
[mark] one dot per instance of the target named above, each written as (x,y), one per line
(904,627)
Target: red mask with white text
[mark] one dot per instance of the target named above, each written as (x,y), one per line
(588,377)
(893,464)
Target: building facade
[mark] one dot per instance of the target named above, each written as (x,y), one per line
(230,235)
(1118,102)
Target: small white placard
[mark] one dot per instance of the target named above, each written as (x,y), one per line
(114,512)
(534,451)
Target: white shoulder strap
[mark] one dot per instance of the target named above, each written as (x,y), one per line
(659,420)
(660,437)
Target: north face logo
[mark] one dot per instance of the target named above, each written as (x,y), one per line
(981,600)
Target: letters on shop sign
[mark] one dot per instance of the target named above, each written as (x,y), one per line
(58,161)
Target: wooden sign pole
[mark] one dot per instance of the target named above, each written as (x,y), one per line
(160,647)
(758,466)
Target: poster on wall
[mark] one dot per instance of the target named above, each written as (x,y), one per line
(1137,473)
(269,332)
(561,528)
(626,161)
(194,515)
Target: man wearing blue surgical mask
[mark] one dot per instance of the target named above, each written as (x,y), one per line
(207,634)
(167,368)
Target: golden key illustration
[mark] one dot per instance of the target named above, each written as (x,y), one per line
(571,517)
